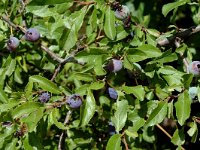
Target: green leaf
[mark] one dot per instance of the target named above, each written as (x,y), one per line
(120,116)
(8,106)
(45,84)
(11,67)
(158,114)
(98,66)
(3,97)
(170,6)
(73,33)
(178,137)
(48,2)
(25,109)
(12,145)
(193,129)
(97,85)
(183,107)
(137,91)
(88,109)
(143,52)
(54,117)
(114,143)
(109,26)
(137,121)
(33,119)
(81,76)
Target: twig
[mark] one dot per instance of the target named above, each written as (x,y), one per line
(52,54)
(62,136)
(84,3)
(125,143)
(56,72)
(182,34)
(6,19)
(166,133)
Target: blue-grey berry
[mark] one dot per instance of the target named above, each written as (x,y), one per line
(194,68)
(44,97)
(32,34)
(12,43)
(112,93)
(122,13)
(115,65)
(74,101)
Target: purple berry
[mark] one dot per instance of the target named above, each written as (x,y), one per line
(44,97)
(12,43)
(115,65)
(112,93)
(122,13)
(32,35)
(194,68)
(74,101)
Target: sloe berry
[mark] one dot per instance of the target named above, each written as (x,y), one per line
(114,65)
(32,34)
(44,97)
(74,101)
(194,68)
(112,93)
(12,43)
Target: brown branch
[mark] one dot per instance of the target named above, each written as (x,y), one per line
(125,143)
(166,133)
(182,34)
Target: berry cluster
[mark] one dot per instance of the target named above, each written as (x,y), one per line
(31,35)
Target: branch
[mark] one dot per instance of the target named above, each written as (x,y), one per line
(182,34)
(166,133)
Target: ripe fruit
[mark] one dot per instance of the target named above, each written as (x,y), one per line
(114,65)
(32,35)
(74,101)
(122,13)
(112,93)
(194,68)
(12,43)
(44,97)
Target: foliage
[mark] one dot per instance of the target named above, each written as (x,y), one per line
(153,107)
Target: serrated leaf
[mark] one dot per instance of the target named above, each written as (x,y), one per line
(114,143)
(182,107)
(45,84)
(109,26)
(137,91)
(178,137)
(88,109)
(25,109)
(158,114)
(120,116)
(170,6)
